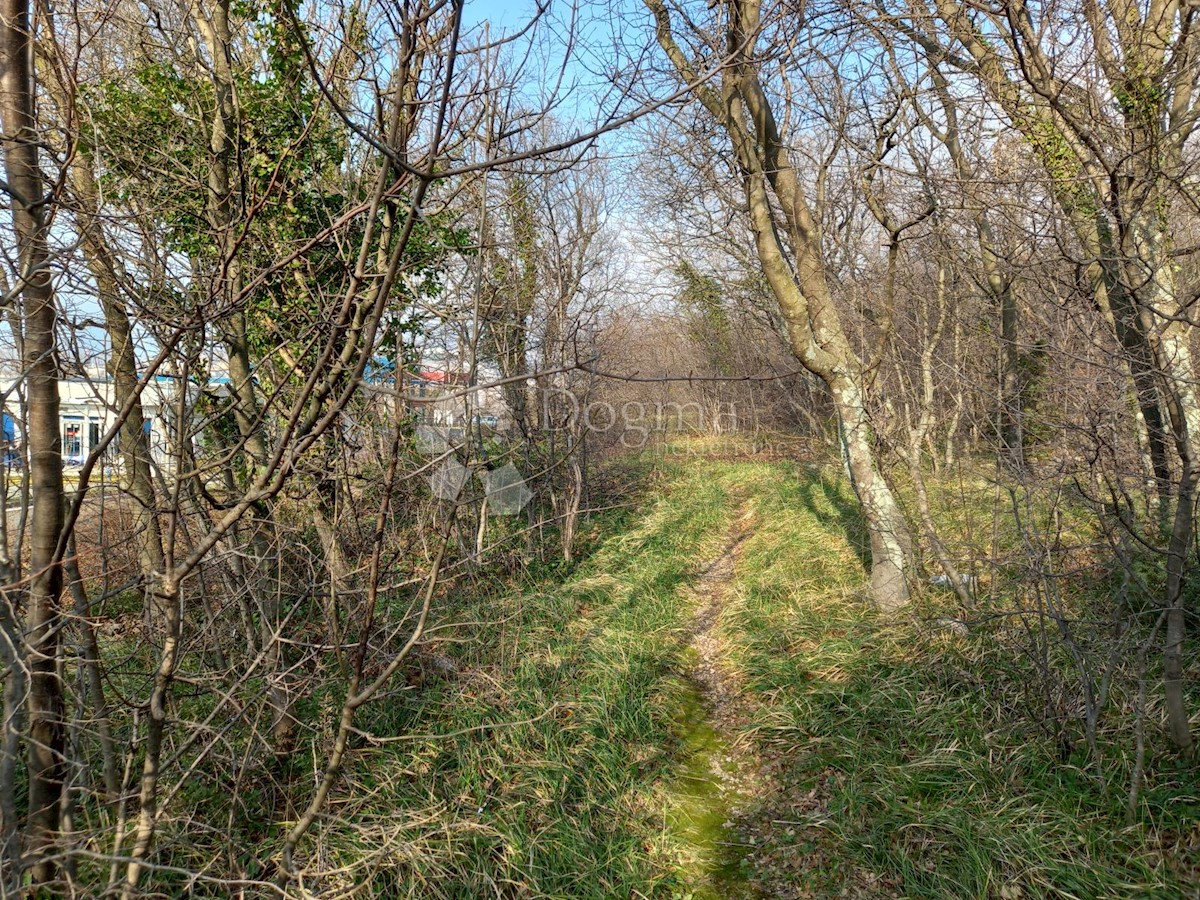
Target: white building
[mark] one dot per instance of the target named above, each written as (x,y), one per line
(87,409)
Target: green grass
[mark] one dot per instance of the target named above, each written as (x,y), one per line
(903,761)
(900,759)
(907,764)
(538,770)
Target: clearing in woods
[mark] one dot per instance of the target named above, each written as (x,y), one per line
(706,707)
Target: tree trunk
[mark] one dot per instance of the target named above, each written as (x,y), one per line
(1012,425)
(122,368)
(889,535)
(43,619)
(1173,357)
(798,279)
(214,26)
(15,689)
(156,715)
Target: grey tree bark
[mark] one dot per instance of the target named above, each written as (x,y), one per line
(1113,175)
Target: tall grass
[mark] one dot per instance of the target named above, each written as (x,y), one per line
(535,771)
(908,765)
(898,758)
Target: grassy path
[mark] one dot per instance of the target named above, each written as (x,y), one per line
(546,763)
(706,708)
(717,776)
(898,759)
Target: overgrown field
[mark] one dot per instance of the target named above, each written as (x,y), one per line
(911,759)
(535,769)
(907,757)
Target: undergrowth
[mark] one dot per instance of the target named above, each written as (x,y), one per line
(899,757)
(908,760)
(535,770)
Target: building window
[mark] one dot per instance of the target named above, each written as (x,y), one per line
(93,435)
(72,440)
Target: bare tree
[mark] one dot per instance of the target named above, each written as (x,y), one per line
(1116,171)
(795,268)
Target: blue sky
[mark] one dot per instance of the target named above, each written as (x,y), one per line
(506,14)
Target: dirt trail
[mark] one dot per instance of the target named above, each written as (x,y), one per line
(721,773)
(720,685)
(737,811)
